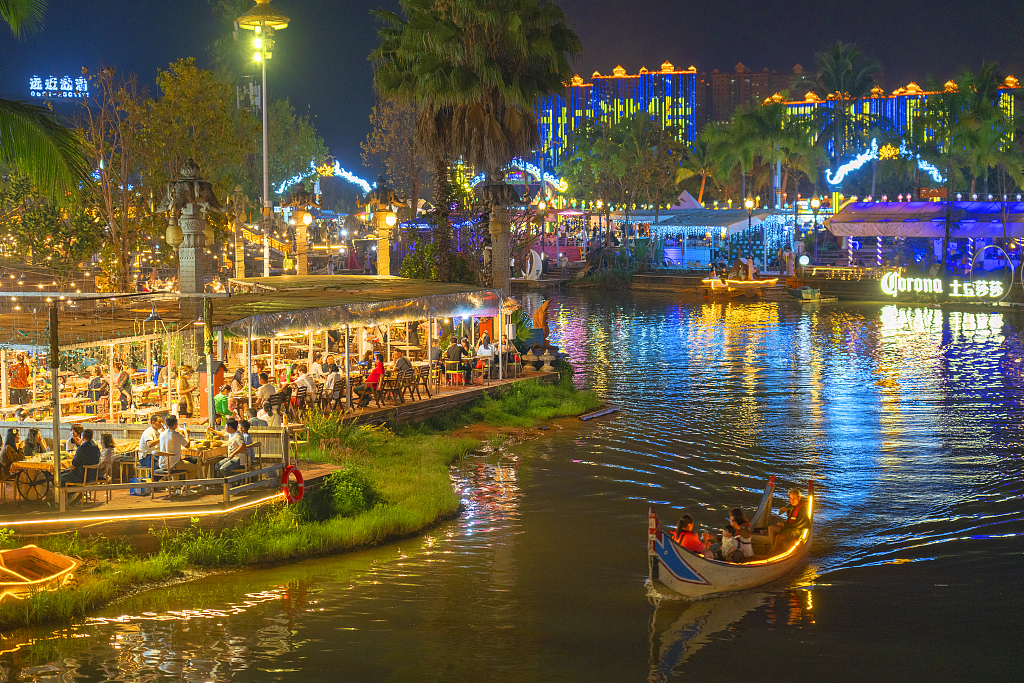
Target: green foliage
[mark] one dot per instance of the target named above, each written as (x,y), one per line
(294,143)
(351,492)
(420,262)
(45,235)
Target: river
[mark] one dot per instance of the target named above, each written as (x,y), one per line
(907,418)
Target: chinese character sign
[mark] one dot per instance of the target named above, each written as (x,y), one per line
(55,87)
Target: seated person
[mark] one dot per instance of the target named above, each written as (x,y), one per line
(171,443)
(730,550)
(372,382)
(13,451)
(685,536)
(255,420)
(75,440)
(743,540)
(149,443)
(87,454)
(237,451)
(402,363)
(737,519)
(220,402)
(784,533)
(332,381)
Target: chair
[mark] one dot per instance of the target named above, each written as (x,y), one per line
(483,373)
(335,398)
(164,475)
(406,383)
(453,373)
(299,406)
(91,475)
(421,379)
(275,402)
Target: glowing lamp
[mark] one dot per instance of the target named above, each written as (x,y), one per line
(257,57)
(541,206)
(390,218)
(803,260)
(257,43)
(815,203)
(307,218)
(749,204)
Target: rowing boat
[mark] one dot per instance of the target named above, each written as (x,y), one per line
(715,284)
(31,568)
(684,572)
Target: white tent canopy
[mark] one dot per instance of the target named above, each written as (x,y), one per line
(928,219)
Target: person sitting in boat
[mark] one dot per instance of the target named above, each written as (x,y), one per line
(739,267)
(685,536)
(784,533)
(737,520)
(730,550)
(745,543)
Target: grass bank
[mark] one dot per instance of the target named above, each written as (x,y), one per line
(395,483)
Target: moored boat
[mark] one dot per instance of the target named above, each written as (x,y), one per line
(686,573)
(31,568)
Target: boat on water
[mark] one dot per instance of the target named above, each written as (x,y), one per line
(715,285)
(688,574)
(31,568)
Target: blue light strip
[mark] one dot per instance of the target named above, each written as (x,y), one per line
(525,166)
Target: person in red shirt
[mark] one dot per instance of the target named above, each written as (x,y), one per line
(372,381)
(20,389)
(685,536)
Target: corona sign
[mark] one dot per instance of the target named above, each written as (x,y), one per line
(894,284)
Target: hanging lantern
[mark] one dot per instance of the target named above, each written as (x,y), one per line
(174,235)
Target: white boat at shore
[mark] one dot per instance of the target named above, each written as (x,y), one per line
(688,574)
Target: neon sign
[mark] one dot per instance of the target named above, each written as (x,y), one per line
(58,87)
(894,284)
(872,153)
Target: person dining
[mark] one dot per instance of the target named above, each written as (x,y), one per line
(97,388)
(171,443)
(35,443)
(122,381)
(237,450)
(455,354)
(149,444)
(238,381)
(220,402)
(266,389)
(332,380)
(87,454)
(402,363)
(75,440)
(371,383)
(12,452)
(304,380)
(316,369)
(260,367)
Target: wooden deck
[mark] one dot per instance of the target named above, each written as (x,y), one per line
(449,397)
(133,516)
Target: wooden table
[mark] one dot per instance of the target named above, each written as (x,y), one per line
(35,475)
(206,458)
(79,419)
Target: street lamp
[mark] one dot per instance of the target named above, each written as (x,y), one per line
(748,204)
(262,21)
(815,205)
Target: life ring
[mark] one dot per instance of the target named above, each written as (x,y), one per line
(286,489)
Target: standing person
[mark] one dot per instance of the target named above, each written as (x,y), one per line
(171,443)
(186,401)
(220,402)
(19,378)
(149,444)
(96,389)
(563,263)
(86,454)
(122,384)
(330,265)
(367,268)
(236,451)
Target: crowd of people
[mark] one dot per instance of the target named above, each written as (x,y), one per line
(734,542)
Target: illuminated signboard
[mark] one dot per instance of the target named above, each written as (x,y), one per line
(894,284)
(59,87)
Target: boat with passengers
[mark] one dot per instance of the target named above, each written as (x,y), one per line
(692,575)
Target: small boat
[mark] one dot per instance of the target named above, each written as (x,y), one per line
(690,575)
(31,568)
(716,285)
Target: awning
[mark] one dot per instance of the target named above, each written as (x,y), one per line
(928,219)
(480,303)
(695,221)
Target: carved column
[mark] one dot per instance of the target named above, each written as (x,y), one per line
(190,253)
(499,229)
(301,245)
(383,242)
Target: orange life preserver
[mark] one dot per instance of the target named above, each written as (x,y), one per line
(286,489)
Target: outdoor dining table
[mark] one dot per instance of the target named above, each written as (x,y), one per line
(206,459)
(27,406)
(35,475)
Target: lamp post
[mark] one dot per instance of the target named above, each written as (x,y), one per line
(815,205)
(262,21)
(542,209)
(748,204)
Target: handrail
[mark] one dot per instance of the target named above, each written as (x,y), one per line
(283,247)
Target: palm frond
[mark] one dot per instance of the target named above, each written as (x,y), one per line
(34,141)
(23,16)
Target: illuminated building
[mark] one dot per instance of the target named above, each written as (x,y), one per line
(898,110)
(667,94)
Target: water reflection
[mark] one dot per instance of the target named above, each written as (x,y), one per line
(909,419)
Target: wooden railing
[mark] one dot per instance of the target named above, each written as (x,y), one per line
(272,478)
(256,238)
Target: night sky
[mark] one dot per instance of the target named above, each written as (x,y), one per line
(320,60)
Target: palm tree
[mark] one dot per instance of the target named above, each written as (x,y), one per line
(31,137)
(842,76)
(699,161)
(475,68)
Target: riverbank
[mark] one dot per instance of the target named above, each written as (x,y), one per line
(395,483)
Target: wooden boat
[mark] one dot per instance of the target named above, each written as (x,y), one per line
(685,573)
(715,284)
(30,568)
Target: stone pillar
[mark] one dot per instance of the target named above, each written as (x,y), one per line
(301,245)
(383,242)
(190,253)
(239,249)
(499,229)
